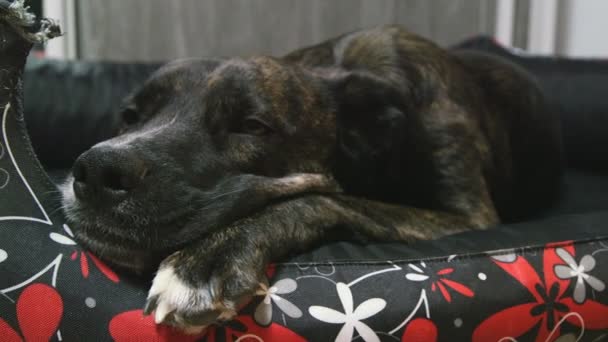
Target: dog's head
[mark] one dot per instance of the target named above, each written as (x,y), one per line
(191,140)
(202,143)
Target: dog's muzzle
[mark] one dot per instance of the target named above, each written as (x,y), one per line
(105,175)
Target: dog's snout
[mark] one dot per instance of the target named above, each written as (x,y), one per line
(105,170)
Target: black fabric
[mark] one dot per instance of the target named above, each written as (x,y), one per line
(74,104)
(546,280)
(576,90)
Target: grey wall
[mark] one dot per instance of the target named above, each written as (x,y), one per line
(581,29)
(165,29)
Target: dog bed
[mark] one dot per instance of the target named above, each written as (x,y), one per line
(541,280)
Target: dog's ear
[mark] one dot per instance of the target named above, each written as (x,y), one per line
(372,119)
(370,110)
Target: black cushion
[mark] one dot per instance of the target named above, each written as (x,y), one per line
(74,104)
(576,90)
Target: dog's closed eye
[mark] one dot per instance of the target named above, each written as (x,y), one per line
(254,126)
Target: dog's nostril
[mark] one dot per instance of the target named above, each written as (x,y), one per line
(106,171)
(116,180)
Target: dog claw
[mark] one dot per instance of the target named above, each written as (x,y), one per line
(161,312)
(151,304)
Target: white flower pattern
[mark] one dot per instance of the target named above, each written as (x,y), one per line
(580,272)
(350,318)
(3,255)
(263,312)
(418,275)
(4,175)
(62,239)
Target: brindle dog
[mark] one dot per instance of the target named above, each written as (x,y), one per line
(223,166)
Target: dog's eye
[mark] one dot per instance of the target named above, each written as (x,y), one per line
(130,116)
(254,126)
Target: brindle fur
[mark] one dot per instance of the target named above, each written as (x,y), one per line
(379,132)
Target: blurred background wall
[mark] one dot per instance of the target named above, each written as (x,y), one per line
(582,28)
(152,30)
(160,29)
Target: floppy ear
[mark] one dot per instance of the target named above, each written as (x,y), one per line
(372,128)
(376,123)
(370,112)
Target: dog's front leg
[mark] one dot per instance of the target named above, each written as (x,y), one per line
(208,281)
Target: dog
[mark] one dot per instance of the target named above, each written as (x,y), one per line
(222,166)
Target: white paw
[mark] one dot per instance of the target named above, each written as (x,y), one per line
(189,307)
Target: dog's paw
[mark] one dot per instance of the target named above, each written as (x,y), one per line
(188,307)
(192,306)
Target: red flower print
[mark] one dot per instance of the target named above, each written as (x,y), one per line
(439,281)
(270,270)
(134,326)
(84,262)
(39,311)
(84,265)
(420,330)
(8,334)
(244,328)
(549,305)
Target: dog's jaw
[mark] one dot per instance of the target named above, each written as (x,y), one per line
(119,256)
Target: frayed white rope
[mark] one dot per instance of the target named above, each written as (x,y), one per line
(46,31)
(21,12)
(20,18)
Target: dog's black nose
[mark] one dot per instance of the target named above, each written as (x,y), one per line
(106,170)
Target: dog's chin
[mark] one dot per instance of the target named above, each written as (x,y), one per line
(121,245)
(118,255)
